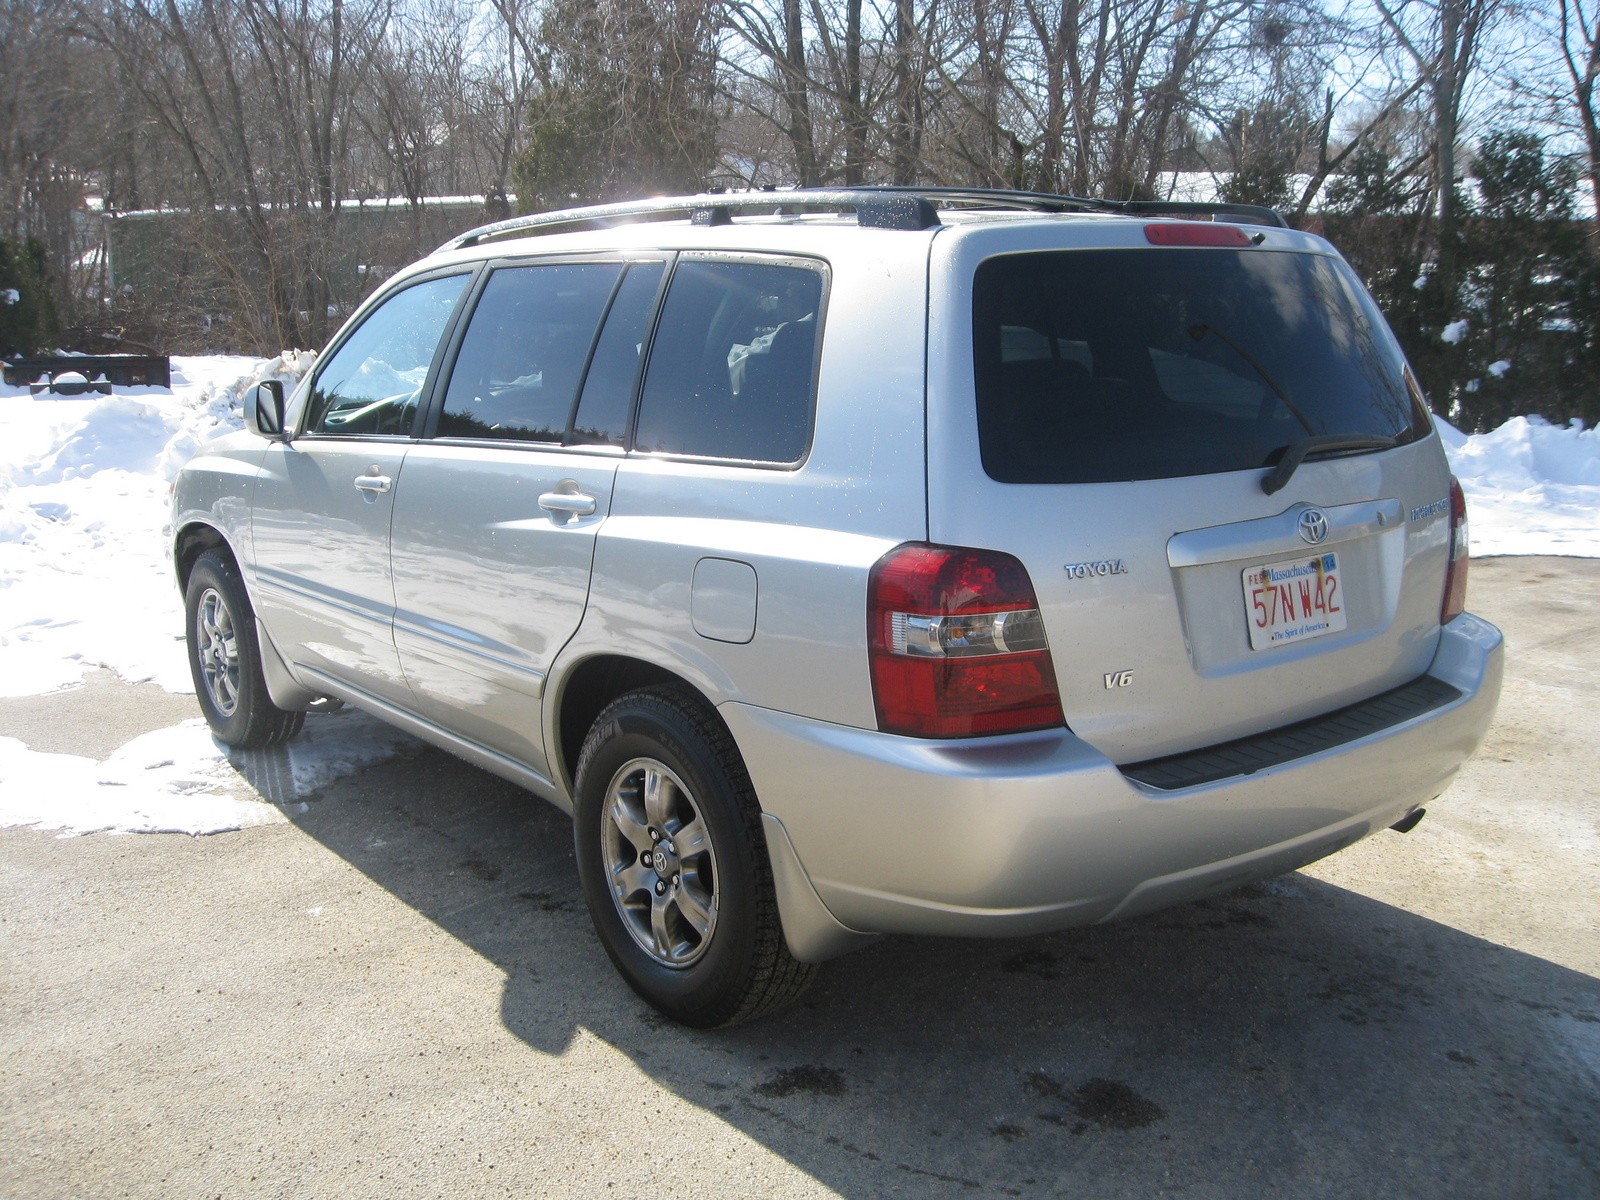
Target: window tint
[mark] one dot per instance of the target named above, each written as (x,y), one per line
(373,382)
(733,363)
(607,401)
(1102,365)
(523,356)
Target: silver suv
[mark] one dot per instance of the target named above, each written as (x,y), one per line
(863,562)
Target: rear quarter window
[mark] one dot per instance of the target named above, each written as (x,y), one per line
(1102,365)
(732,370)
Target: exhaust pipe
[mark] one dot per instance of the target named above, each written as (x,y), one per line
(1409,822)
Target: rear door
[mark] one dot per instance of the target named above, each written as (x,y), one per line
(494,531)
(1111,422)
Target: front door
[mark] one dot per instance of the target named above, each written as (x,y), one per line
(323,505)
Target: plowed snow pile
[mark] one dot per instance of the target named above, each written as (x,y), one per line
(1532,487)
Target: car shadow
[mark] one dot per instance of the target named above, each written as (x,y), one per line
(1293,1038)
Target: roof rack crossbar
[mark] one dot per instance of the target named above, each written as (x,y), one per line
(875,206)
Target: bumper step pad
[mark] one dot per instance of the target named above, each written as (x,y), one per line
(1277,746)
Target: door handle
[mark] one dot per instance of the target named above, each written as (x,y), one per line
(373,483)
(567,504)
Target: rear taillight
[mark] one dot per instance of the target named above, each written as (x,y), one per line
(957,644)
(1455,576)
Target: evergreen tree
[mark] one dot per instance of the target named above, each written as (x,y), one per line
(28,321)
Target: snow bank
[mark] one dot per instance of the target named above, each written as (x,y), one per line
(1531,487)
(84,579)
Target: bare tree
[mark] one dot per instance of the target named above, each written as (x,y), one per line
(1442,40)
(511,71)
(289,115)
(1578,37)
(255,96)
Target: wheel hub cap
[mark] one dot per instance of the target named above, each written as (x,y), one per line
(660,863)
(217,652)
(664,861)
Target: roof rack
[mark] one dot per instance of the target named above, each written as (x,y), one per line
(715,208)
(876,207)
(1254,214)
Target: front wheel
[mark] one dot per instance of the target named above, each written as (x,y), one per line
(225,659)
(674,865)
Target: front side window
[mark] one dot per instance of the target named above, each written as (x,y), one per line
(523,357)
(733,364)
(373,381)
(1101,365)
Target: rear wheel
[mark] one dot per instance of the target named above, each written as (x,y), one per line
(225,659)
(674,865)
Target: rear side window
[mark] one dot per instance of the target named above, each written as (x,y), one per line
(1100,365)
(516,377)
(732,369)
(607,401)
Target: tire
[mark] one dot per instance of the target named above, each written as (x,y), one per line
(674,865)
(225,659)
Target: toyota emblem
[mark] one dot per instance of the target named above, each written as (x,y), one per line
(1313,525)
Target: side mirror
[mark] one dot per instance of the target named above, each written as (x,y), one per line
(263,410)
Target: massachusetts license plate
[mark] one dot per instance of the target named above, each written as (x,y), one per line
(1288,602)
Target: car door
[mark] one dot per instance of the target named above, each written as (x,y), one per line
(494,531)
(323,504)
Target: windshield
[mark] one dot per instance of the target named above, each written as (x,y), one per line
(1101,365)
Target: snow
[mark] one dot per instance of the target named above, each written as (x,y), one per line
(1531,487)
(85,583)
(84,491)
(1454,332)
(180,780)
(385,202)
(1499,367)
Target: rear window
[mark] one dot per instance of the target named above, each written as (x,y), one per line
(1101,365)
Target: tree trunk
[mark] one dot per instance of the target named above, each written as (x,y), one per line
(855,117)
(1446,105)
(797,96)
(902,126)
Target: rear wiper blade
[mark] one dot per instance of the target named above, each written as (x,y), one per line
(1296,454)
(1199,333)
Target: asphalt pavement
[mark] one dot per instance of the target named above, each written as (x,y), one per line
(397,993)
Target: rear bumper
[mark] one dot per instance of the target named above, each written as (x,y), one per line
(1035,832)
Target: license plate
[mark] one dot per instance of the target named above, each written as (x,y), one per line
(1288,602)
